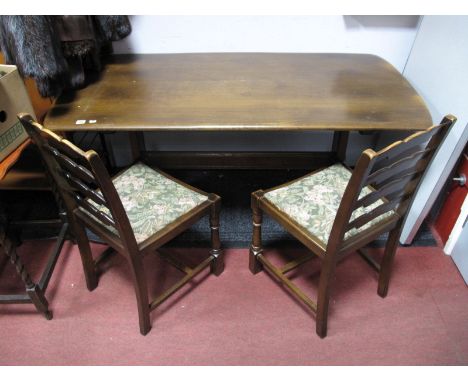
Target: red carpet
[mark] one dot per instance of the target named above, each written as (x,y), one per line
(241,319)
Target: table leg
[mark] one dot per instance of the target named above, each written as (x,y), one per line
(106,149)
(340,143)
(137,144)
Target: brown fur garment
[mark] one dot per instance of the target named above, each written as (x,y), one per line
(31,43)
(58,51)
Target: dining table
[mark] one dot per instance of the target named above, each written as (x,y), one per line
(241,92)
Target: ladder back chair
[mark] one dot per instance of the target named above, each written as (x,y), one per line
(135,213)
(336,211)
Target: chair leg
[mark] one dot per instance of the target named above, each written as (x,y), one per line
(387,261)
(141,292)
(217,265)
(36,294)
(89,266)
(256,249)
(326,275)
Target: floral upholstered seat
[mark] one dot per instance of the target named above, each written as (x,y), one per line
(313,201)
(152,200)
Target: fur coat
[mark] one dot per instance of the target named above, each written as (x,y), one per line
(59,52)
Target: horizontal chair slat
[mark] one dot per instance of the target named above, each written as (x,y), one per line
(297,292)
(83,188)
(409,174)
(376,212)
(388,189)
(404,148)
(399,168)
(73,152)
(101,216)
(77,169)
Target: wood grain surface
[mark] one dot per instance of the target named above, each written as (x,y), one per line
(243,91)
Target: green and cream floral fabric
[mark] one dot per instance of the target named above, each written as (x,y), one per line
(314,200)
(151,200)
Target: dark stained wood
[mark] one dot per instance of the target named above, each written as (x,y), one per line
(174,288)
(238,160)
(28,173)
(400,168)
(296,263)
(287,283)
(404,163)
(339,145)
(80,177)
(387,190)
(82,187)
(376,212)
(356,242)
(369,259)
(387,260)
(256,247)
(76,188)
(407,147)
(92,210)
(406,153)
(175,262)
(243,91)
(137,143)
(78,170)
(217,266)
(34,292)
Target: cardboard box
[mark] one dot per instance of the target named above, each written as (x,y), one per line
(14,99)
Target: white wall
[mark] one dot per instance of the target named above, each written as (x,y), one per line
(438,70)
(389,37)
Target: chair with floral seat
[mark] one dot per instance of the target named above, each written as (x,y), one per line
(336,211)
(136,212)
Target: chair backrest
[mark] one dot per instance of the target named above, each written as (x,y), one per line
(83,183)
(382,187)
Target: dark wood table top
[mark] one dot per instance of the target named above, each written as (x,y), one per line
(243,91)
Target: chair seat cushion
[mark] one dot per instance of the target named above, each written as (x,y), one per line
(152,200)
(313,201)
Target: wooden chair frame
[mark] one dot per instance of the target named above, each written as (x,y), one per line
(393,174)
(29,174)
(34,292)
(81,177)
